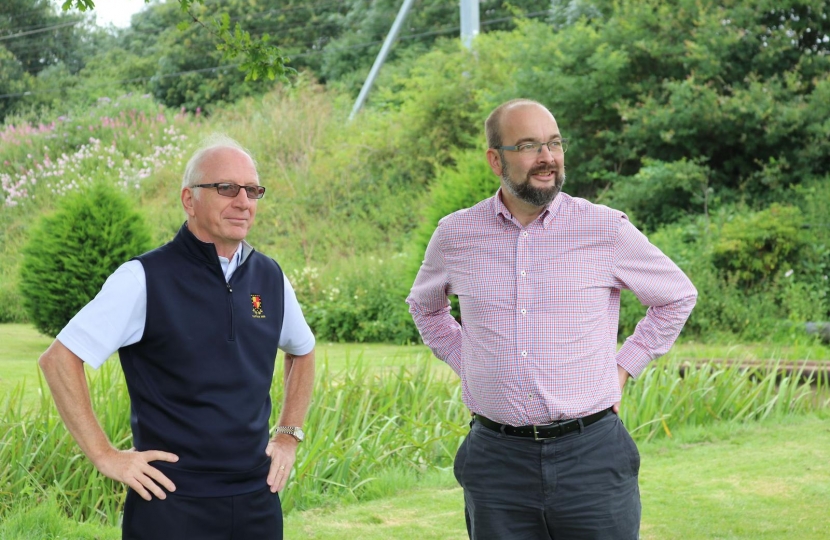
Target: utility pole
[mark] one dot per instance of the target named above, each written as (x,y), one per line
(384,51)
(470,25)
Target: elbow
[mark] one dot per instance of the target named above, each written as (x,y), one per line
(57,358)
(692,298)
(46,360)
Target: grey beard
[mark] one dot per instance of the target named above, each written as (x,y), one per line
(540,197)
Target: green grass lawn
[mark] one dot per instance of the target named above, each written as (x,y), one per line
(755,481)
(752,482)
(22,345)
(812,351)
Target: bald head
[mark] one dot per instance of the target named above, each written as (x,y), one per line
(493,124)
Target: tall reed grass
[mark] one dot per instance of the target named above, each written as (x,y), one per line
(371,428)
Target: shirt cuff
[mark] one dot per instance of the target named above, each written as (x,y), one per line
(633,358)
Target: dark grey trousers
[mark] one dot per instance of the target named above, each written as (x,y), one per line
(251,516)
(582,486)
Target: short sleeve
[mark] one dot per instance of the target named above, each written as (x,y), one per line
(296,337)
(113,319)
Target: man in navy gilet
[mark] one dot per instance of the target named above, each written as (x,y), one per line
(197,324)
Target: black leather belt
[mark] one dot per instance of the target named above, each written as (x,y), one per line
(547,431)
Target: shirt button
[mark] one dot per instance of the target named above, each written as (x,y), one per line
(530,396)
(524,353)
(524,233)
(523,273)
(524,312)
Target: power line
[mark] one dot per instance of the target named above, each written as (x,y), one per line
(46,29)
(311,53)
(304,29)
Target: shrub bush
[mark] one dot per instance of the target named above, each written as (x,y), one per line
(361,300)
(662,192)
(71,253)
(753,248)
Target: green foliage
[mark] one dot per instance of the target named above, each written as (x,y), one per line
(435,100)
(13,80)
(717,84)
(362,302)
(71,253)
(180,57)
(753,248)
(363,26)
(41,517)
(40,53)
(782,294)
(663,192)
(688,115)
(259,60)
(82,5)
(11,303)
(22,24)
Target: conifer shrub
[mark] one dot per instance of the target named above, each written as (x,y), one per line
(71,252)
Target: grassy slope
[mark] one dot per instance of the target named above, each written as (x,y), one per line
(753,482)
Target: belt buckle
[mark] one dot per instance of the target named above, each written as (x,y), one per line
(536,436)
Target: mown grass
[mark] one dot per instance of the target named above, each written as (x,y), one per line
(730,481)
(382,418)
(813,350)
(755,481)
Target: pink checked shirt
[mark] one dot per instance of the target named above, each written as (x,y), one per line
(540,307)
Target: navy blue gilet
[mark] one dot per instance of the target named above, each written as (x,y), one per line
(200,377)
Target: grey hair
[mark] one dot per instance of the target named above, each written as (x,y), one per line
(193,173)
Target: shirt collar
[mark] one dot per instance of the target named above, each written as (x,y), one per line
(229,266)
(546,216)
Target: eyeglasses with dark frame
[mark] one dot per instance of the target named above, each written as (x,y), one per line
(556,145)
(227,189)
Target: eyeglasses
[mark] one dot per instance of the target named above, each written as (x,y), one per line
(558,145)
(227,189)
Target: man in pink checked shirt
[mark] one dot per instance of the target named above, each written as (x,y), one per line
(538,276)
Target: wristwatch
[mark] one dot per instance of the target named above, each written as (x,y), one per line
(294,431)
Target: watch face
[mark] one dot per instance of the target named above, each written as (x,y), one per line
(299,434)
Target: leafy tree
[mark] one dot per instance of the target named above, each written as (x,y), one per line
(258,59)
(180,64)
(366,23)
(712,82)
(38,36)
(14,81)
(36,43)
(71,252)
